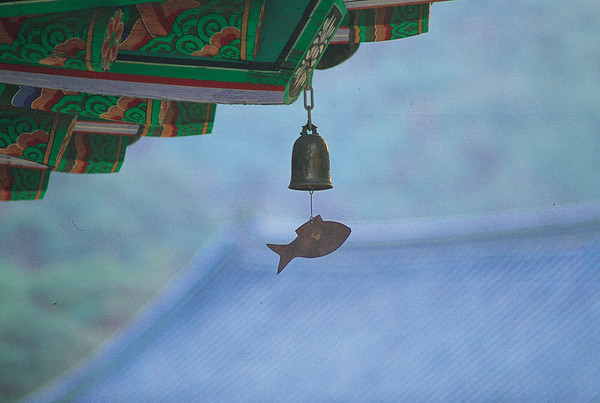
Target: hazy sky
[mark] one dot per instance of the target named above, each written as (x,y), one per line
(496,108)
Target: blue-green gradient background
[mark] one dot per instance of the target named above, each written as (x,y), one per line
(495,109)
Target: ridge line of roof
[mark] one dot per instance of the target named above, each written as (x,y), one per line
(452,227)
(190,278)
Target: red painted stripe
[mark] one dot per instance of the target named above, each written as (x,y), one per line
(186,82)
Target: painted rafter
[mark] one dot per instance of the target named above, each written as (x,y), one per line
(113,71)
(28,7)
(142,69)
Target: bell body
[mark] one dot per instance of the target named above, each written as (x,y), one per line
(310,164)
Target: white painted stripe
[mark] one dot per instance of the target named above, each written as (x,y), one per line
(19,162)
(342,35)
(145,90)
(108,128)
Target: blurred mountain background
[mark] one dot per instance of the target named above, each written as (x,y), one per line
(496,108)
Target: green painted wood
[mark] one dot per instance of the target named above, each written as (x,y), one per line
(169,118)
(310,46)
(106,107)
(185,119)
(81,40)
(214,29)
(273,66)
(386,23)
(30,7)
(36,136)
(281,19)
(93,153)
(263,81)
(165,57)
(17,183)
(7,91)
(256,11)
(234,72)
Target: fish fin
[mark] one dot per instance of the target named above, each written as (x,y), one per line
(284,257)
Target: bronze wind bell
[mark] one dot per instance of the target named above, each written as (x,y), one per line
(310,172)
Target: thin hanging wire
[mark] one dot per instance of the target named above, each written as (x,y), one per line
(311,205)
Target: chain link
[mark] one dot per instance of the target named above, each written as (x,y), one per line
(307,106)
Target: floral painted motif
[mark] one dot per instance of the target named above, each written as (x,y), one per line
(187,27)
(25,141)
(150,112)
(37,136)
(219,41)
(118,111)
(68,49)
(85,39)
(38,36)
(137,110)
(110,46)
(314,52)
(156,21)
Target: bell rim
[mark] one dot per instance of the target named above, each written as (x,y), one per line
(310,188)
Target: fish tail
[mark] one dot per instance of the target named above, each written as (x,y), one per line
(284,257)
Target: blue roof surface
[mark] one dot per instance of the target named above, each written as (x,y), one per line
(470,312)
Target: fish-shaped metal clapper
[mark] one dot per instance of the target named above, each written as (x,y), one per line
(316,238)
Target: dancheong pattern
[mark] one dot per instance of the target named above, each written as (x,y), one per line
(186,119)
(120,109)
(217,29)
(91,39)
(302,74)
(93,153)
(40,137)
(18,183)
(128,70)
(81,40)
(384,23)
